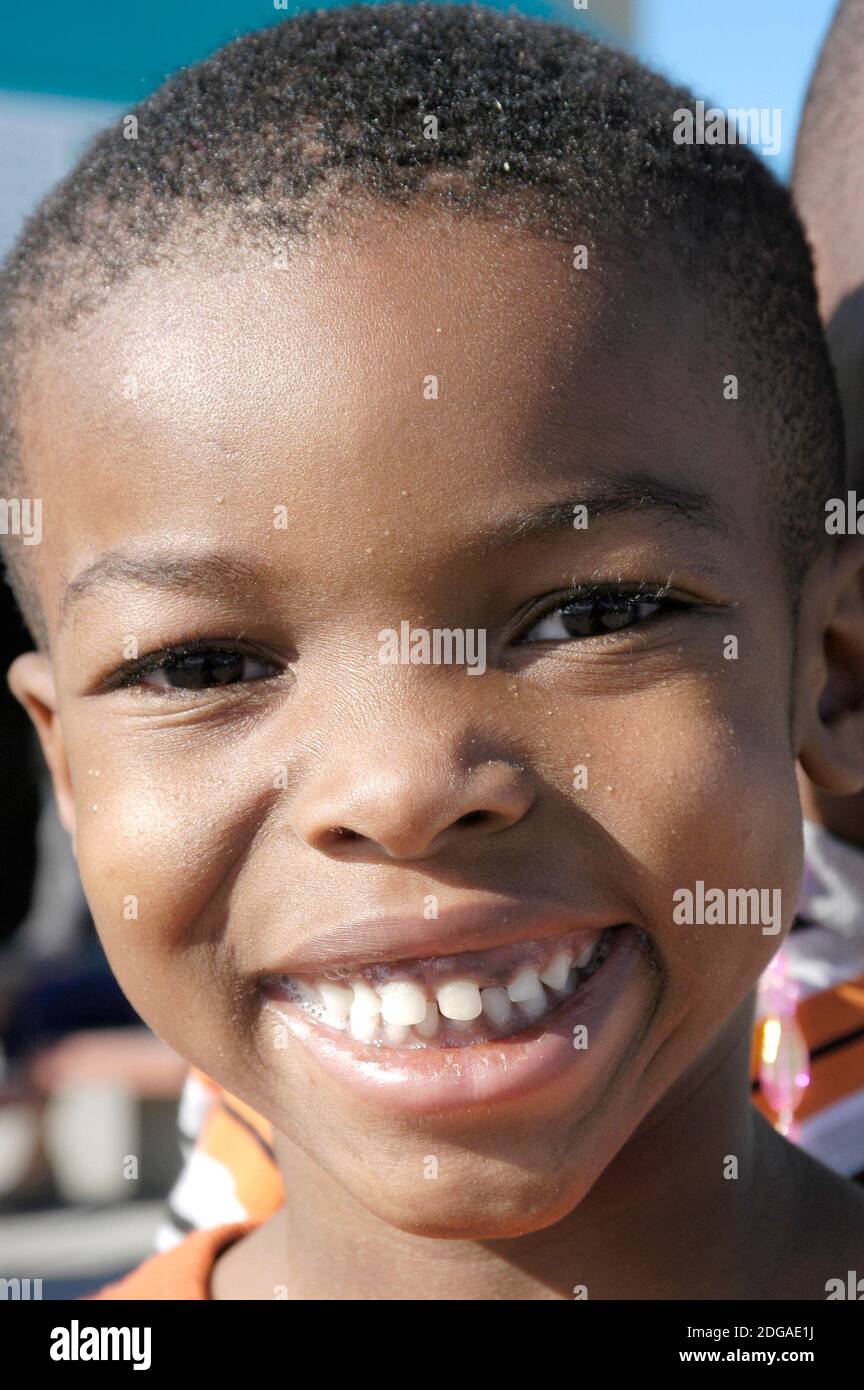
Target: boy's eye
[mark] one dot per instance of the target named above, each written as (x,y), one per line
(597,614)
(199,669)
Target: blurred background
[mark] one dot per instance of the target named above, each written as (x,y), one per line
(88,1098)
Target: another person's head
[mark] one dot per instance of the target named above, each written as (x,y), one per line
(828,185)
(418,320)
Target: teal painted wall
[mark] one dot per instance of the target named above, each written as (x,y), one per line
(120,50)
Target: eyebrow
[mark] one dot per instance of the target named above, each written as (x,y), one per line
(168,572)
(631,493)
(214,573)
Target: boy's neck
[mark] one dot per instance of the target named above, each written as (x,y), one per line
(661,1222)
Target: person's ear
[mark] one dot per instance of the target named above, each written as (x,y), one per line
(831,715)
(31,681)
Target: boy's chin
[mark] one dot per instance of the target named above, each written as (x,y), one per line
(474,1205)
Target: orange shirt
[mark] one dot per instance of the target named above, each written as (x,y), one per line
(183,1273)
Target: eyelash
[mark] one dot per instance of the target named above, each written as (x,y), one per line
(168,658)
(626,599)
(130,675)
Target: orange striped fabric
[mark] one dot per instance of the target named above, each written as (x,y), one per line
(832,1022)
(182,1274)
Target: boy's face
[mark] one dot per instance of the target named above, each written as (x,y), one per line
(227,832)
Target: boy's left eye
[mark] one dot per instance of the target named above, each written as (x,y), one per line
(597,614)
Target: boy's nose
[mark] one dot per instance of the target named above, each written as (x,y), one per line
(410,812)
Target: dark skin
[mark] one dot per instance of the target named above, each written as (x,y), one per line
(835,228)
(303,386)
(841,298)
(842,304)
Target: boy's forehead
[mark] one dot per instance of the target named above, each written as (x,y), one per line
(343,375)
(348,321)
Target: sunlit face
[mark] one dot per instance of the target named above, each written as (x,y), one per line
(276,465)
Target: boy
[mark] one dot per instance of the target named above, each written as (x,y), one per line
(394,323)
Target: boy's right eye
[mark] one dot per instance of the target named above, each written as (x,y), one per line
(177,669)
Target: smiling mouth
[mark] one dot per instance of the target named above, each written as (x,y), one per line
(448,1001)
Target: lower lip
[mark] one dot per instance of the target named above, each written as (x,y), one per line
(432,1080)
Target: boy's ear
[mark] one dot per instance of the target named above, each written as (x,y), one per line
(831,717)
(31,681)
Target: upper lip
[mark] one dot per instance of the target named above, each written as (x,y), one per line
(462,927)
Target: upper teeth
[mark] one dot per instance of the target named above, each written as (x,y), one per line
(555,975)
(403,1001)
(337,999)
(460,999)
(497,1006)
(525,986)
(400,1010)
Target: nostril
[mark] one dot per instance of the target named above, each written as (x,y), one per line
(473,818)
(342,832)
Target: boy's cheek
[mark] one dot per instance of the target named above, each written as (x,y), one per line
(681,795)
(711,803)
(159,819)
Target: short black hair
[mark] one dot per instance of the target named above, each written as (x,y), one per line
(293,126)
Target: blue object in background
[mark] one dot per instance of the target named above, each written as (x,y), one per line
(103,50)
(743,53)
